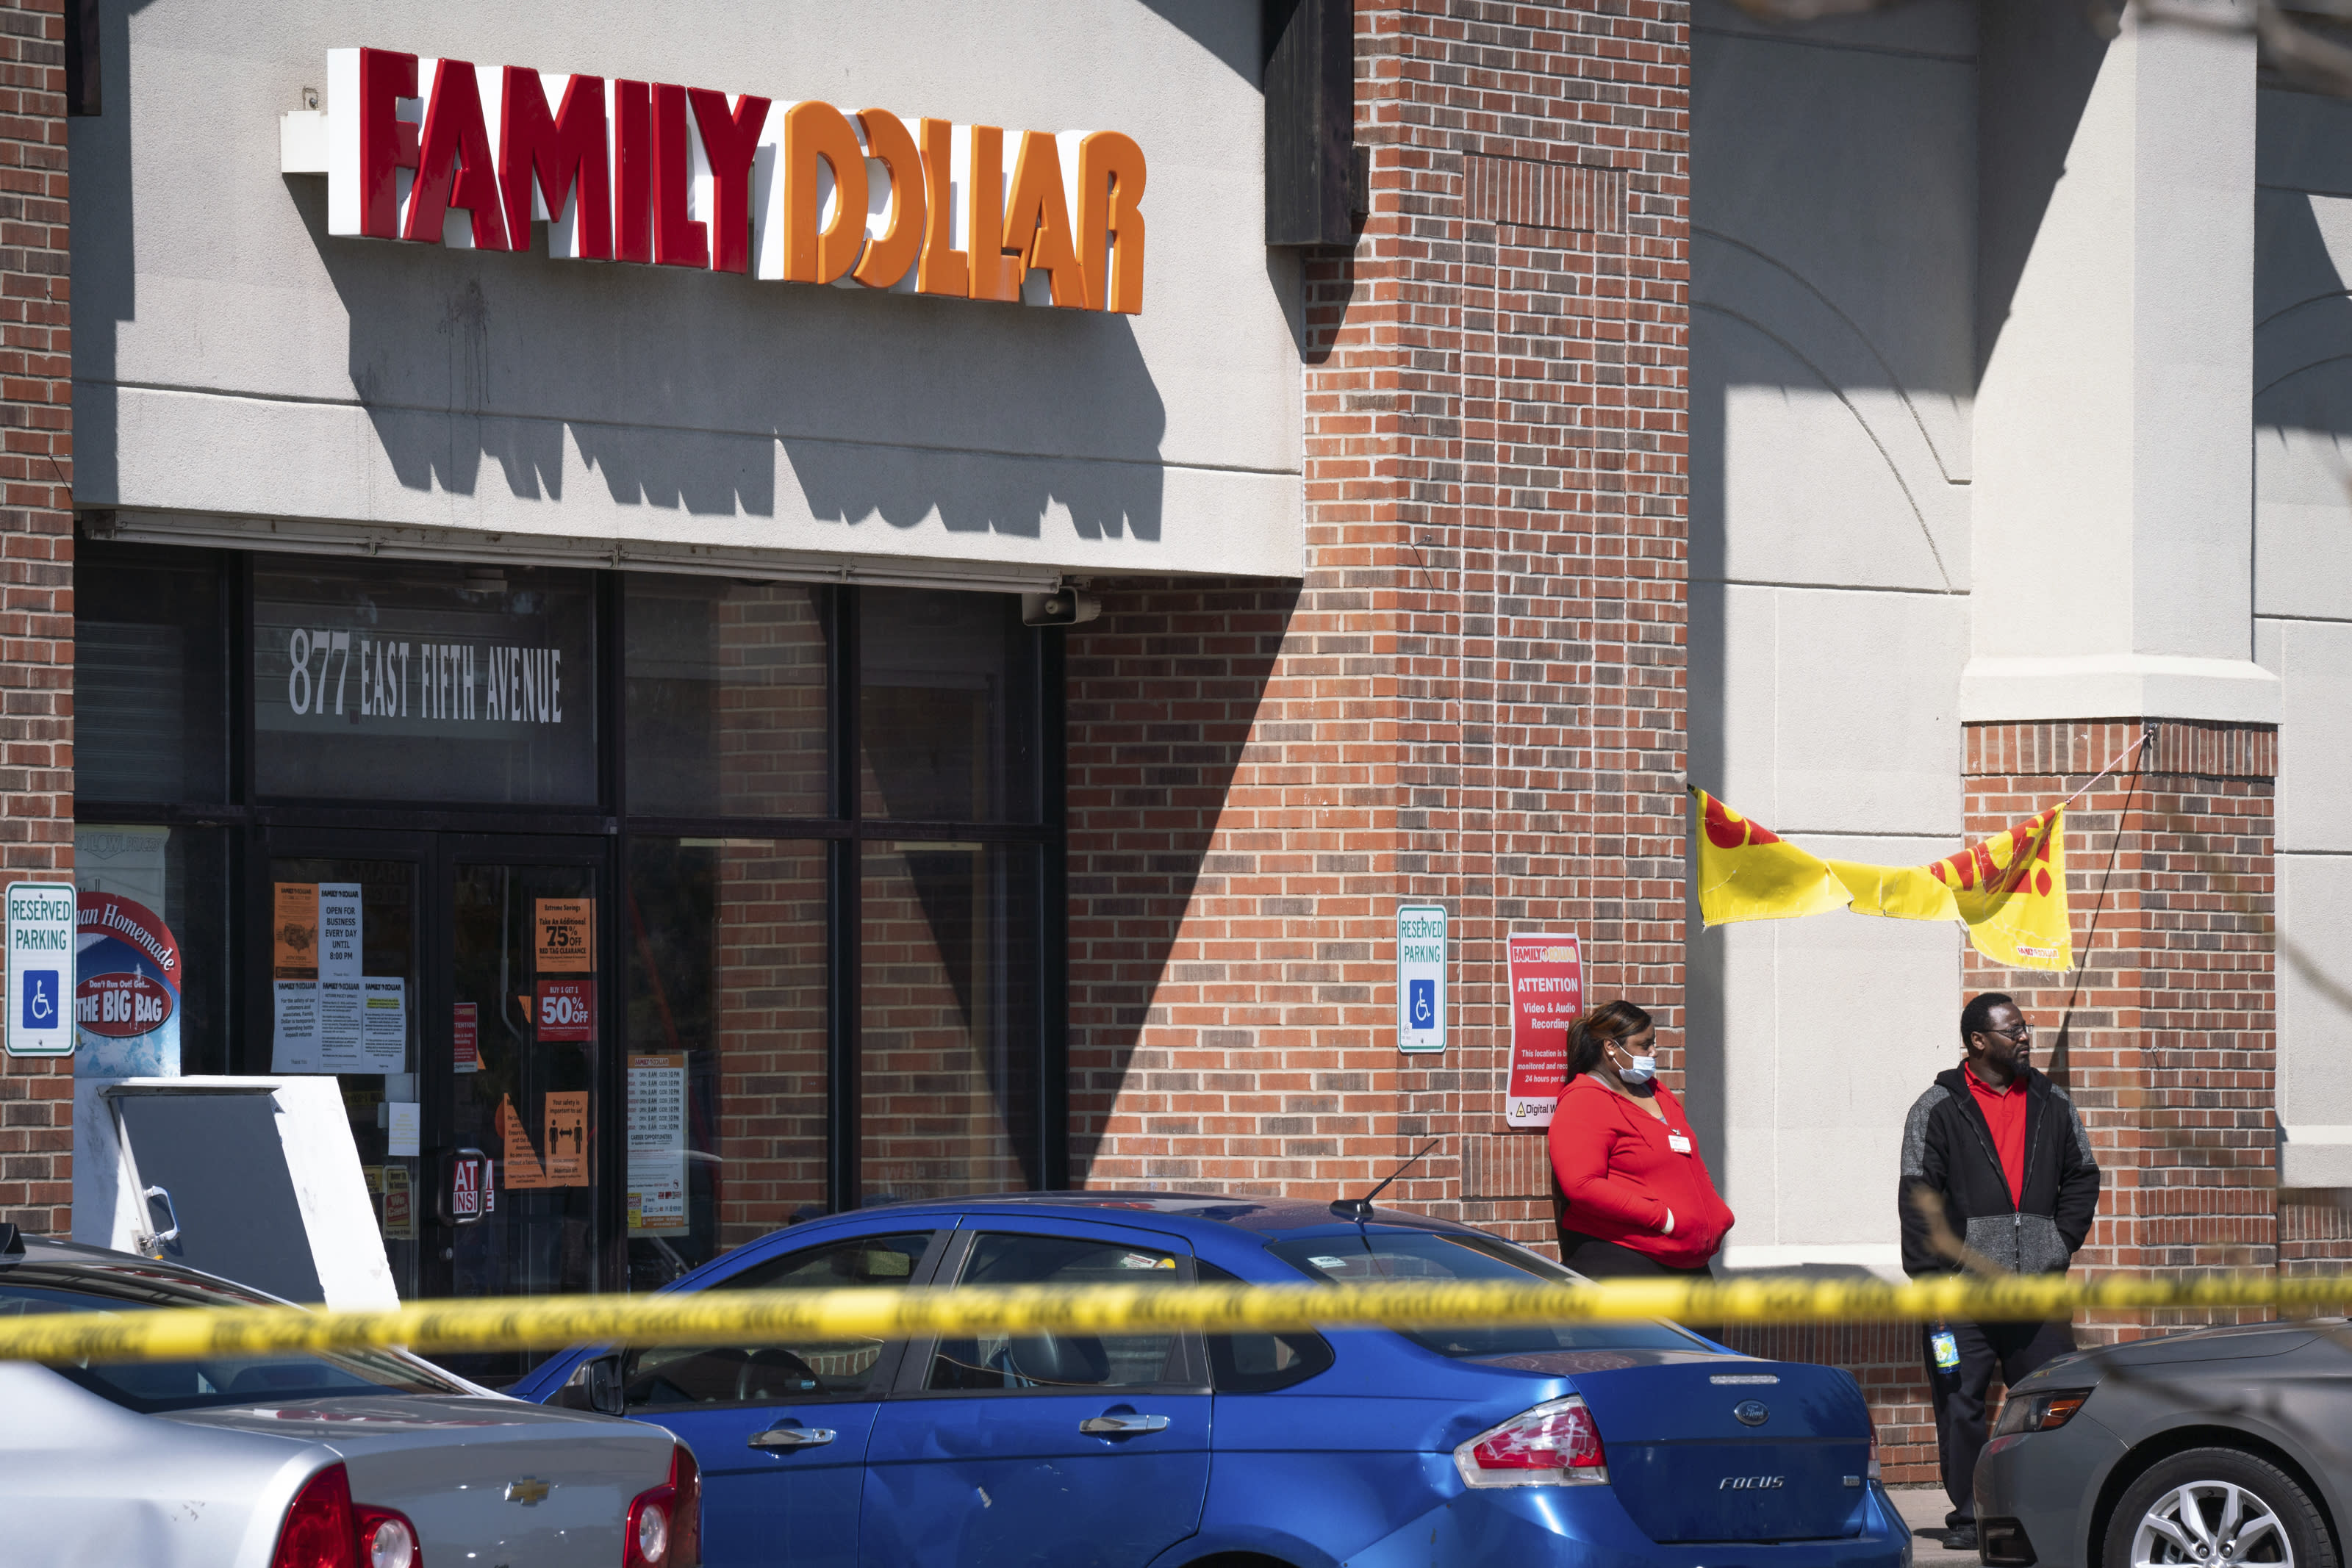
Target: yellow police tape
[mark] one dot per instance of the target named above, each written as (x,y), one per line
(760,1317)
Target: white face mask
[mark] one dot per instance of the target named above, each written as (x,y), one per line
(1643,1070)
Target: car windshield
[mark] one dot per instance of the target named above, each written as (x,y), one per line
(153,1386)
(1369,1256)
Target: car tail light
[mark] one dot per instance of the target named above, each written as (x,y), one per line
(664,1527)
(1872,1469)
(324,1529)
(386,1538)
(2041,1412)
(1557,1444)
(318,1530)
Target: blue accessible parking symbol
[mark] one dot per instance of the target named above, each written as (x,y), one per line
(40,1002)
(1421,977)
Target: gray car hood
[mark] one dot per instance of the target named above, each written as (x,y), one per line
(2245,1341)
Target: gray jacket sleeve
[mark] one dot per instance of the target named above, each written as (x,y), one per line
(1924,1164)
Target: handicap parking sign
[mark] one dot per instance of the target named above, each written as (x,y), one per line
(1420,959)
(41,936)
(40,999)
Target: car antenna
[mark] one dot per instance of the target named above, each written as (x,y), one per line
(1360,1209)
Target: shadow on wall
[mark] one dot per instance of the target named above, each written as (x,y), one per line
(104,253)
(676,388)
(2303,319)
(1840,316)
(1162,692)
(2036,66)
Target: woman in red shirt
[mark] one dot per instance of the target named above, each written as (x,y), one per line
(1639,1200)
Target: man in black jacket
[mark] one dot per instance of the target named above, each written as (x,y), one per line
(2001,1151)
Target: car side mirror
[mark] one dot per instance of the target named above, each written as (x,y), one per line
(604,1397)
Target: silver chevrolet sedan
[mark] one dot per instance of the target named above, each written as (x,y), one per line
(342,1460)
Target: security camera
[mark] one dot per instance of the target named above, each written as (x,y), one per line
(1062,607)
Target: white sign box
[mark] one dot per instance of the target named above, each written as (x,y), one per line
(1420,977)
(41,920)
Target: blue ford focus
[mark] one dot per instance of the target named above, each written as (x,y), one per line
(1597,1444)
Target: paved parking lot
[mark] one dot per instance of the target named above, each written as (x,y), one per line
(1924,1508)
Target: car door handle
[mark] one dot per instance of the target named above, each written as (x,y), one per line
(1119,1426)
(790,1437)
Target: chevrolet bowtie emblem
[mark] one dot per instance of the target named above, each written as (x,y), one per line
(527,1491)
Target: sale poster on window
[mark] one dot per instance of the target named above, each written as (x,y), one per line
(565,1011)
(1546,975)
(566,939)
(656,1166)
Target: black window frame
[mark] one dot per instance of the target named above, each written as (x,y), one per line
(245,817)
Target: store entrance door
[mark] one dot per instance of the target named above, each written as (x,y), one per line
(343,988)
(459,987)
(528,1087)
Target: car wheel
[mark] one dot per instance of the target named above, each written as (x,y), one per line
(2216,1508)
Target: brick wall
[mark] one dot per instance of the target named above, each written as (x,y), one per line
(2170,1047)
(943,1106)
(36,565)
(2315,1230)
(1476,697)
(768,1023)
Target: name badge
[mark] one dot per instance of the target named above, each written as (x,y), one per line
(1678,1142)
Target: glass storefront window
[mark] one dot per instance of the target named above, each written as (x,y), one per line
(373,1051)
(590,1048)
(727,698)
(181,875)
(150,663)
(423,681)
(727,1004)
(947,1001)
(947,708)
(529,989)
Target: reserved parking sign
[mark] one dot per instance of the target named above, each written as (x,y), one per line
(41,920)
(1420,977)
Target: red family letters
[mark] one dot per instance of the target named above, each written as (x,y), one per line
(444,151)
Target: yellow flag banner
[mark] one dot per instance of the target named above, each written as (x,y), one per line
(2010,890)
(1746,872)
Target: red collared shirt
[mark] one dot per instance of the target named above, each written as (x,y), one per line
(2004,1112)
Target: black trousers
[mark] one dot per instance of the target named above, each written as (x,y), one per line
(2012,1350)
(1598,1260)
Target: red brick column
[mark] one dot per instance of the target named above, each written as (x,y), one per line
(1477,697)
(36,565)
(2170,1047)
